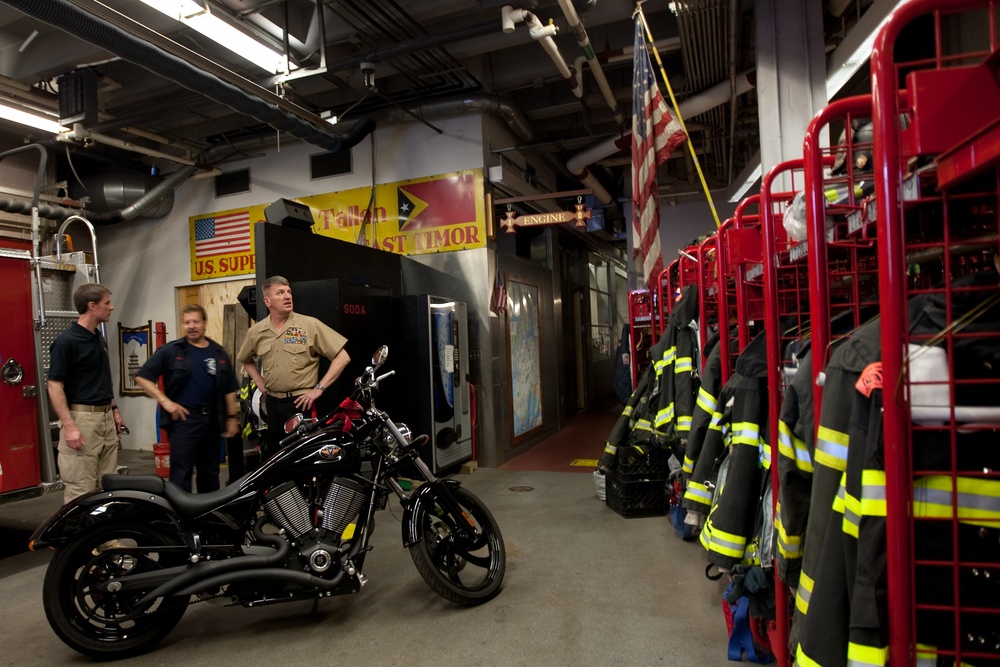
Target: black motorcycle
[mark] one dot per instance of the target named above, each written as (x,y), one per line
(130,557)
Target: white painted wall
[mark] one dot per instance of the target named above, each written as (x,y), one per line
(144,261)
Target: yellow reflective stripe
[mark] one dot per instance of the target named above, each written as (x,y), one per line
(803,660)
(698,493)
(247,430)
(873,493)
(838,500)
(627,411)
(610,449)
(794,448)
(706,536)
(789,546)
(683,423)
(688,466)
(831,448)
(927,656)
(803,592)
(706,401)
(765,455)
(683,365)
(976,501)
(727,544)
(852,513)
(860,655)
(746,433)
(716,421)
(665,415)
(244,392)
(642,425)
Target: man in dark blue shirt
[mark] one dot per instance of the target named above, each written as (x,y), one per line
(199,397)
(81,395)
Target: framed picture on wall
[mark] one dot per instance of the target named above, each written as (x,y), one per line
(525,365)
(133,351)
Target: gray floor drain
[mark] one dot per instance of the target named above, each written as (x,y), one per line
(521,489)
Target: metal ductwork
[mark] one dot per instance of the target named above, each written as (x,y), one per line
(114,191)
(459,105)
(152,200)
(73,20)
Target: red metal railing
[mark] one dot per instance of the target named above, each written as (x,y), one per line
(951,97)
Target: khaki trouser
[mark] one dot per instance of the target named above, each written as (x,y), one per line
(81,469)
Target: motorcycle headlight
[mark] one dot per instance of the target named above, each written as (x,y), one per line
(405,432)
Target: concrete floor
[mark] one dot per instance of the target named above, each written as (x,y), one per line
(583,587)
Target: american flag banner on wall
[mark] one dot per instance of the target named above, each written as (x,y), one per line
(222,234)
(655,135)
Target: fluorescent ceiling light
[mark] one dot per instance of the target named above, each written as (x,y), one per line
(30,119)
(201,19)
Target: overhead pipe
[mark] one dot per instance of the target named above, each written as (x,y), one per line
(80,133)
(625,53)
(543,35)
(697,104)
(419,44)
(595,66)
(73,20)
(171,182)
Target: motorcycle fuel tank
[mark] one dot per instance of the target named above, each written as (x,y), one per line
(323,453)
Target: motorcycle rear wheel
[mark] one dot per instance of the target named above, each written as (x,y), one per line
(88,620)
(467,574)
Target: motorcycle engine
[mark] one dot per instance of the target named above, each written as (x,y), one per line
(288,508)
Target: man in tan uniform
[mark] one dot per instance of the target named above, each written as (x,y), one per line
(289,346)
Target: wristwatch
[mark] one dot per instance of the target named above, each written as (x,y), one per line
(319,385)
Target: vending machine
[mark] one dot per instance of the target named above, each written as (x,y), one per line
(431,352)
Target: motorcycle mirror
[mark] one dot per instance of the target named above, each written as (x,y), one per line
(380,356)
(293,422)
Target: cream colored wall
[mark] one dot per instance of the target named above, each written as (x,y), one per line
(145,262)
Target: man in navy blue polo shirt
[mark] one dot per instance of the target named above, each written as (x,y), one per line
(82,396)
(199,397)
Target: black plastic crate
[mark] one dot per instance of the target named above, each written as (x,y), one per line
(632,463)
(635,498)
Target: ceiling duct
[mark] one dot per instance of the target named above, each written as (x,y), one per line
(73,20)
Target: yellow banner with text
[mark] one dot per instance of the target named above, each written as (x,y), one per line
(413,217)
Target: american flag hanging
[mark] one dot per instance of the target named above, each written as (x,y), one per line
(222,234)
(655,135)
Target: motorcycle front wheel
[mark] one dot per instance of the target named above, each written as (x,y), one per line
(90,620)
(465,572)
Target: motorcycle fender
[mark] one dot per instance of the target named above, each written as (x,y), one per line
(87,512)
(423,496)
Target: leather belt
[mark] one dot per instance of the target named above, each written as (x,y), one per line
(287,394)
(200,411)
(80,407)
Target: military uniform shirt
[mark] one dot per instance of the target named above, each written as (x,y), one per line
(290,358)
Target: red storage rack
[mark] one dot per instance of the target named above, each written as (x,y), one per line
(785,291)
(640,329)
(945,222)
(842,256)
(664,296)
(741,293)
(708,298)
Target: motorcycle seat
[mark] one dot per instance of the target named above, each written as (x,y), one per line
(186,504)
